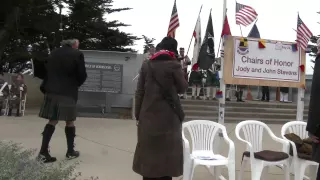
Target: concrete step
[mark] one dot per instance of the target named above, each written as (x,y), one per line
(248,104)
(237,119)
(256,109)
(253,114)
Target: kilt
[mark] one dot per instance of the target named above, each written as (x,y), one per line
(14,102)
(57,107)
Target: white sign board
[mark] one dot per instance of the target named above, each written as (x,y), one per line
(277,61)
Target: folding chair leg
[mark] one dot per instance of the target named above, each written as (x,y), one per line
(187,168)
(232,171)
(286,168)
(243,166)
(299,171)
(256,171)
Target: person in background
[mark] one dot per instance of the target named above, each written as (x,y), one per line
(195,82)
(17,94)
(150,53)
(4,95)
(265,94)
(65,73)
(159,150)
(211,83)
(228,88)
(185,62)
(284,94)
(313,124)
(239,93)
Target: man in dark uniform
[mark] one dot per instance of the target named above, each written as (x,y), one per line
(239,93)
(17,94)
(185,62)
(265,94)
(65,73)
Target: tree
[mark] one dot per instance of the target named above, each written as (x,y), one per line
(40,24)
(147,43)
(86,22)
(313,48)
(22,23)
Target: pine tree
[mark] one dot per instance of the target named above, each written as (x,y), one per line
(313,48)
(36,23)
(86,22)
(148,43)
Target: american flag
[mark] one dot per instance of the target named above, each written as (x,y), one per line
(222,53)
(174,21)
(303,34)
(245,15)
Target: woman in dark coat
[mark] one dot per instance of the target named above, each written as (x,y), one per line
(159,150)
(313,125)
(65,73)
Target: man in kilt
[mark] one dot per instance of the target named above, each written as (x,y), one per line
(195,82)
(65,73)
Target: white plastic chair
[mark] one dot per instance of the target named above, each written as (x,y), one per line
(298,165)
(203,135)
(253,136)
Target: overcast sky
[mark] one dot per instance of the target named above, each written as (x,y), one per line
(275,21)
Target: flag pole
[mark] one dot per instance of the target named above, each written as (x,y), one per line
(223,20)
(240,30)
(253,25)
(193,30)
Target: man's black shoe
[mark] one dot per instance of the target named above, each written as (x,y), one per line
(46,158)
(72,155)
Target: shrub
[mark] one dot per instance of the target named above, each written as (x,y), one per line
(17,163)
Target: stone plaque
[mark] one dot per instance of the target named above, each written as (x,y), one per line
(103,77)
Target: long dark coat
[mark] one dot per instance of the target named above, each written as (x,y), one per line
(313,124)
(159,150)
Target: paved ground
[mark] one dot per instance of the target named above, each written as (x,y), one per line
(107,145)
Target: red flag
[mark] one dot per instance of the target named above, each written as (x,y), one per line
(226,28)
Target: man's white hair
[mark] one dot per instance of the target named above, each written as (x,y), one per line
(69,42)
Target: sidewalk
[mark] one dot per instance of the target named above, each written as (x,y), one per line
(107,145)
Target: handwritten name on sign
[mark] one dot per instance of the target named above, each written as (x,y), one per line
(276,61)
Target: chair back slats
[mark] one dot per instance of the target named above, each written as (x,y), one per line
(296,127)
(202,134)
(253,133)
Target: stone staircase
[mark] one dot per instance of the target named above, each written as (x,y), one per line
(269,112)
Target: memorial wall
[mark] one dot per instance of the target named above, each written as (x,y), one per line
(109,88)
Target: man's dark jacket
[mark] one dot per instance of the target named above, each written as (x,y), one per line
(314,106)
(65,72)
